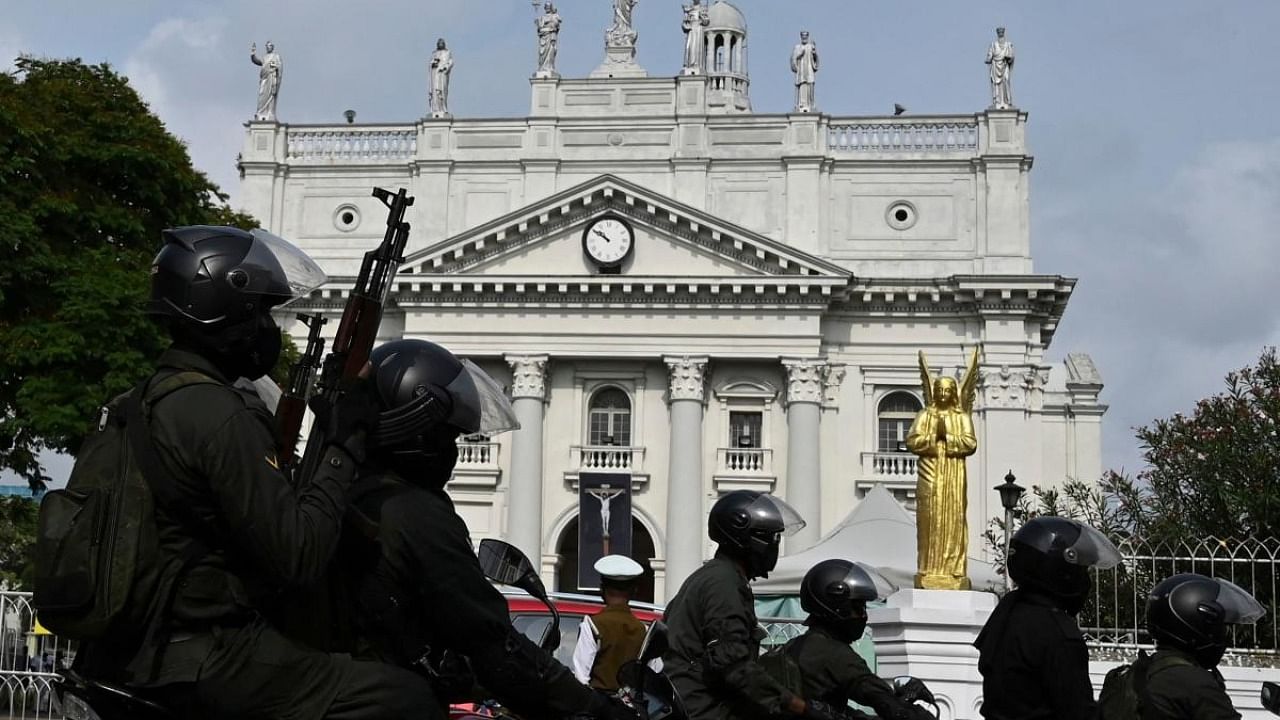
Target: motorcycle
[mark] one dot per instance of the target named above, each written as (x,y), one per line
(1271,697)
(77,697)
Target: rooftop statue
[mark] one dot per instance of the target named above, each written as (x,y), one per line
(268,81)
(1000,58)
(548,26)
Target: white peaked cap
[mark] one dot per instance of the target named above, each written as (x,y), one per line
(618,567)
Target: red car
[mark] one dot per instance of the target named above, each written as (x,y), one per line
(531,617)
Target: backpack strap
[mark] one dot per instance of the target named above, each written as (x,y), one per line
(138,432)
(1144,668)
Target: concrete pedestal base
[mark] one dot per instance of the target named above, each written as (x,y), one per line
(929,634)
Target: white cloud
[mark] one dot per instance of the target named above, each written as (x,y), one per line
(1177,282)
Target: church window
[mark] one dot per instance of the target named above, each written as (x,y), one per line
(609,419)
(897,411)
(744,429)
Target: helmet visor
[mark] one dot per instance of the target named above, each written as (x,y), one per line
(769,510)
(1241,608)
(301,273)
(479,403)
(868,580)
(1092,549)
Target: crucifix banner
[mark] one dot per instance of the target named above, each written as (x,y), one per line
(604,522)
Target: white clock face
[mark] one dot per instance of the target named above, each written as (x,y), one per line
(608,241)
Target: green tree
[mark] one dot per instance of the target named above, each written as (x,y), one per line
(88,179)
(17,541)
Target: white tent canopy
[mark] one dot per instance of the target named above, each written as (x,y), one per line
(880,533)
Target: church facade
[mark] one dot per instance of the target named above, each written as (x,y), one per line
(686,297)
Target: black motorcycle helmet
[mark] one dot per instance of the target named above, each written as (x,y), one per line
(749,525)
(215,287)
(1052,556)
(428,397)
(1191,612)
(835,593)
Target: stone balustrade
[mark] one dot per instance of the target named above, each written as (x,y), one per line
(745,461)
(890,135)
(891,466)
(482,454)
(607,458)
(340,144)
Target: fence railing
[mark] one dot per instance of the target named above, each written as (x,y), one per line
(1114,619)
(779,630)
(28,658)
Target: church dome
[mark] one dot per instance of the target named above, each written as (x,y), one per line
(725,16)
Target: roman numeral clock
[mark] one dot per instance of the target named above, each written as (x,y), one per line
(608,241)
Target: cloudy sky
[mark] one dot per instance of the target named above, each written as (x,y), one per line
(1154,126)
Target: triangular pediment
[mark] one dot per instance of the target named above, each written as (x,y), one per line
(672,240)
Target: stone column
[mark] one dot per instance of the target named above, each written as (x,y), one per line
(524,496)
(685,514)
(804,470)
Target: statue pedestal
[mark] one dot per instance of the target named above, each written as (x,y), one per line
(929,634)
(619,62)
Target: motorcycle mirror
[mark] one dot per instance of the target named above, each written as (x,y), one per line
(1271,697)
(503,563)
(655,642)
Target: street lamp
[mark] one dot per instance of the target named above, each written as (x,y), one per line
(1010,493)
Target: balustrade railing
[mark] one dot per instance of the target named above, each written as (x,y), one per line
(925,134)
(747,461)
(889,465)
(354,145)
(477,454)
(608,458)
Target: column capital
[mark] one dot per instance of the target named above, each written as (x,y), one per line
(832,379)
(805,377)
(687,375)
(529,376)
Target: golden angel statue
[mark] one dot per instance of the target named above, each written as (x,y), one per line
(942,436)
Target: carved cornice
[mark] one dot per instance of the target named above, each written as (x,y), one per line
(687,375)
(805,379)
(529,376)
(1013,388)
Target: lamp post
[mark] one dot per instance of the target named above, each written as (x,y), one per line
(1010,492)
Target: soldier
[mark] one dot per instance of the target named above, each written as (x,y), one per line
(1031,652)
(1187,615)
(243,533)
(420,594)
(712,629)
(835,593)
(614,635)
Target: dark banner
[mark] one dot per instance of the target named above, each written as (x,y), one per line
(604,522)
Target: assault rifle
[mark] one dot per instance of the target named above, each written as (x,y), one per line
(293,401)
(358,328)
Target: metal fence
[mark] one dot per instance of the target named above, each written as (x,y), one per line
(28,658)
(779,630)
(1114,620)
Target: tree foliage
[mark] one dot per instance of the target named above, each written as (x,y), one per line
(17,541)
(88,179)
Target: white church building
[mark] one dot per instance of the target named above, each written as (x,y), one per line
(689,296)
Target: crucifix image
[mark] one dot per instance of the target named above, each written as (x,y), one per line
(605,494)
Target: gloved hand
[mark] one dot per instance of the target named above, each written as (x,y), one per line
(818,710)
(914,689)
(348,422)
(604,706)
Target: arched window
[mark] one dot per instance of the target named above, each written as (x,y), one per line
(609,420)
(895,414)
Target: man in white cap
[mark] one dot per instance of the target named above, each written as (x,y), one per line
(614,635)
